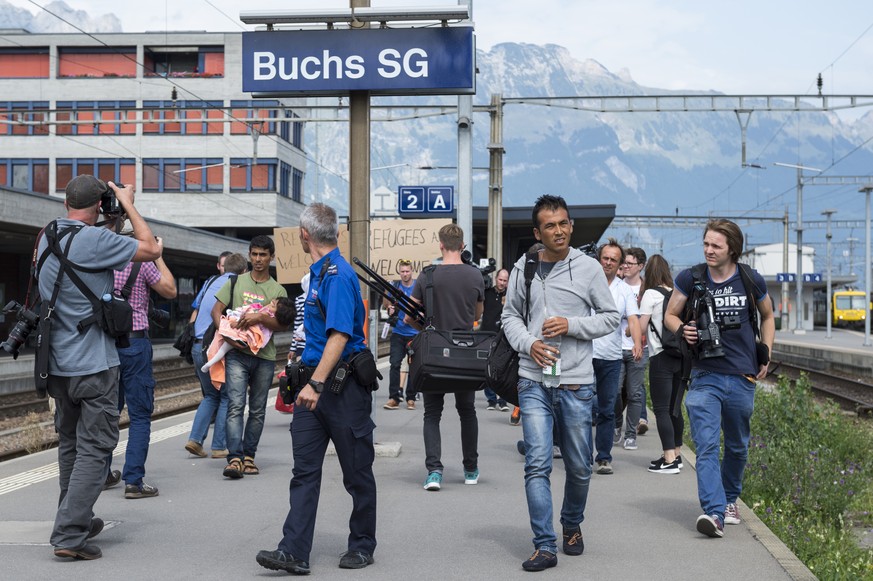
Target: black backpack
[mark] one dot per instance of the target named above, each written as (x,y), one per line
(669,340)
(501,373)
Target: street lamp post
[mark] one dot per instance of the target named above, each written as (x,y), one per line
(867,259)
(828,236)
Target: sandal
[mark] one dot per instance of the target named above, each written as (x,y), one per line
(234,469)
(250,468)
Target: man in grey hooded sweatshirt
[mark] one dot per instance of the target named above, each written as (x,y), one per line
(556,376)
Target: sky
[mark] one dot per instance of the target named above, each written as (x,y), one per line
(740,47)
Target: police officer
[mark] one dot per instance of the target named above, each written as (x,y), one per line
(327,410)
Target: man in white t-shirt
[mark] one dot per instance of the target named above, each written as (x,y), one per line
(631,384)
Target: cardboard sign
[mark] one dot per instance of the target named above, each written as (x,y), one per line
(390,242)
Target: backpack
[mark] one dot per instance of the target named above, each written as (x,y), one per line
(501,372)
(669,340)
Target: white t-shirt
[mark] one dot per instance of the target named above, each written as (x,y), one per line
(627,343)
(608,347)
(653,305)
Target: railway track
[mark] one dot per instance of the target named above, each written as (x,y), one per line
(851,394)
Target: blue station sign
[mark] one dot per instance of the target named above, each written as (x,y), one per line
(425,201)
(390,61)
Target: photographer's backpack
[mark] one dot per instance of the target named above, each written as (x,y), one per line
(447,361)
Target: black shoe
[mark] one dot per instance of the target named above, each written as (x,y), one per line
(85,553)
(112,479)
(522,449)
(355,560)
(540,561)
(96,527)
(281,561)
(573,543)
(141,490)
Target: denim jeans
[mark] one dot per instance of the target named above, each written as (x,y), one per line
(606,374)
(246,374)
(718,403)
(214,404)
(631,381)
(398,352)
(543,408)
(433,411)
(136,389)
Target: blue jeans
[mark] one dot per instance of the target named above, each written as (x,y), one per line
(246,374)
(214,404)
(571,410)
(136,388)
(718,403)
(632,384)
(606,374)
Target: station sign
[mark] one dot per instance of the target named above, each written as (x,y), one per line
(812,277)
(785,277)
(425,200)
(383,61)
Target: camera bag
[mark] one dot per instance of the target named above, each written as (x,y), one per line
(447,361)
(501,373)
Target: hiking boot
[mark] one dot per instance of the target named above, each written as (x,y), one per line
(392,404)
(662,467)
(604,467)
(433,482)
(282,561)
(234,469)
(642,427)
(630,443)
(540,561)
(732,514)
(195,449)
(355,560)
(573,543)
(141,490)
(84,553)
(710,525)
(471,477)
(97,525)
(515,418)
(112,479)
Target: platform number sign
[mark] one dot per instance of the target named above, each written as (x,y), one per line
(426,200)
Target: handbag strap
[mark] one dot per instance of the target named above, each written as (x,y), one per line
(428,296)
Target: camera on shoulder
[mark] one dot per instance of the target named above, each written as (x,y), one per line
(26,322)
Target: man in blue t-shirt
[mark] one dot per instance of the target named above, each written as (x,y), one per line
(402,334)
(721,394)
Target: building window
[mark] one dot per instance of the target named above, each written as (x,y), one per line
(96,117)
(183,117)
(119,171)
(246,177)
(24,63)
(292,131)
(248,114)
(177,61)
(25,174)
(297,185)
(24,118)
(183,175)
(97,62)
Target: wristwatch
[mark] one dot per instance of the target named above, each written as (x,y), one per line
(318,386)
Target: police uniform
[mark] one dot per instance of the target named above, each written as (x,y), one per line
(333,303)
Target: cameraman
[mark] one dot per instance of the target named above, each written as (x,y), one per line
(722,390)
(136,387)
(84,365)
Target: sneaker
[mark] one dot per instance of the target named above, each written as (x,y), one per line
(616,435)
(630,443)
(282,561)
(515,418)
(732,514)
(85,553)
(434,481)
(410,404)
(112,479)
(642,427)
(392,404)
(492,405)
(604,467)
(503,407)
(219,453)
(710,525)
(471,477)
(522,449)
(141,490)
(355,560)
(662,467)
(540,561)
(661,461)
(573,543)
(556,452)
(195,449)
(234,469)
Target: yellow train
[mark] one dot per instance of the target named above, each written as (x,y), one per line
(848,309)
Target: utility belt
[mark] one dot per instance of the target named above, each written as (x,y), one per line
(360,365)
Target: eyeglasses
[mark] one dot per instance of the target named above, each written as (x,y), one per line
(626,263)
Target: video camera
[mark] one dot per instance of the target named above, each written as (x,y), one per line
(467,258)
(589,249)
(27,321)
(708,328)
